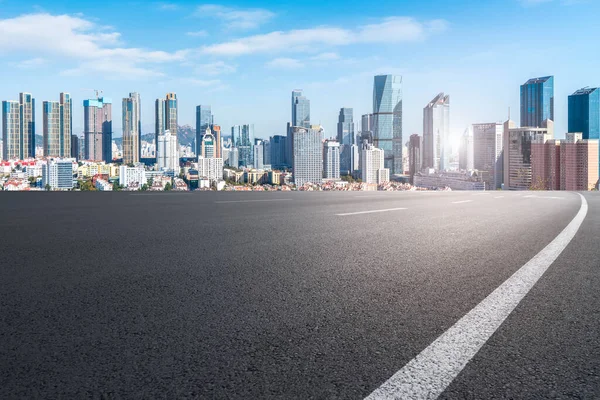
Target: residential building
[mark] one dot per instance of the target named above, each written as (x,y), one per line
(216,131)
(331,160)
(545,163)
(300,110)
(487,153)
(18,127)
(517,152)
(159,119)
(387,120)
(579,163)
(208,145)
(171,113)
(537,101)
(415,155)
(234,159)
(167,152)
(372,165)
(97,129)
(131,128)
(307,154)
(258,154)
(103,185)
(436,130)
(204,121)
(57,127)
(132,177)
(210,168)
(58,174)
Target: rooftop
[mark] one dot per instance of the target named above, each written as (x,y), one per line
(538,80)
(584,91)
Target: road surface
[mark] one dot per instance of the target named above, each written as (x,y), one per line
(297,295)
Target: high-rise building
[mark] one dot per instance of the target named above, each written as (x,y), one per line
(131,128)
(57,127)
(208,146)
(243,136)
(132,177)
(307,155)
(517,152)
(167,152)
(171,113)
(211,168)
(331,160)
(537,101)
(204,119)
(487,153)
(259,154)
(267,152)
(579,163)
(372,165)
(465,150)
(584,112)
(545,163)
(234,157)
(366,123)
(159,119)
(279,151)
(300,109)
(345,127)
(18,127)
(216,131)
(415,155)
(75,150)
(97,129)
(11,130)
(436,130)
(387,120)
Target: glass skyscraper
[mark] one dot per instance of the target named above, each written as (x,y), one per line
(584,112)
(204,120)
(345,127)
(243,137)
(300,109)
(537,101)
(131,128)
(387,120)
(436,130)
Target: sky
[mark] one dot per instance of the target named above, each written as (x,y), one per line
(243,58)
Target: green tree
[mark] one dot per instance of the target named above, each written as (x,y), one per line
(168,186)
(144,187)
(47,187)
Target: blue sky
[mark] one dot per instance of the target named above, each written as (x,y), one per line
(244,58)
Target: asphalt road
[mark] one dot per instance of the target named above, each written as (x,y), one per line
(288,295)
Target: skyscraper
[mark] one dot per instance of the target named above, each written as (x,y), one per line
(216,131)
(131,128)
(387,120)
(345,127)
(57,125)
(11,130)
(167,152)
(537,101)
(244,138)
(208,145)
(465,151)
(97,129)
(415,155)
(300,109)
(18,127)
(204,119)
(487,153)
(372,165)
(279,151)
(159,119)
(331,160)
(259,154)
(308,154)
(436,129)
(584,112)
(171,113)
(75,151)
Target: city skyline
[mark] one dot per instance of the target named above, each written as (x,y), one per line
(331,73)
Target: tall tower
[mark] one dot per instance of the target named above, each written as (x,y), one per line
(171,113)
(584,112)
(387,120)
(537,101)
(27,127)
(159,119)
(300,109)
(204,120)
(131,128)
(11,132)
(345,133)
(436,129)
(97,129)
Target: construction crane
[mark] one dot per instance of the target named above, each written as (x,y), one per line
(98,92)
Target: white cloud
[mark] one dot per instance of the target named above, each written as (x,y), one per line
(326,57)
(31,63)
(235,18)
(216,68)
(197,34)
(284,63)
(389,30)
(75,38)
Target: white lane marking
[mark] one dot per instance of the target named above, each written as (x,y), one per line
(499,197)
(370,212)
(249,201)
(428,374)
(534,196)
(462,201)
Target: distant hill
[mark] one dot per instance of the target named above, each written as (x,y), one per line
(185,136)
